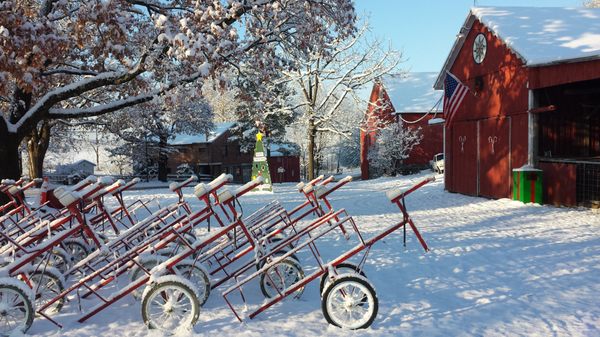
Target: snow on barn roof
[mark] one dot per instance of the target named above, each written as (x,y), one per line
(545,35)
(83,161)
(413,92)
(538,35)
(281,150)
(220,128)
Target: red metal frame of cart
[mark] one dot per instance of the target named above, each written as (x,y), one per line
(104,273)
(316,231)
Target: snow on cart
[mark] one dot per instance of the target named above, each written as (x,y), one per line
(172,259)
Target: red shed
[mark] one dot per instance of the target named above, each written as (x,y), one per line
(534,100)
(412,100)
(284,164)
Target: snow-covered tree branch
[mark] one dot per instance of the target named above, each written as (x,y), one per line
(327,77)
(54,54)
(393,145)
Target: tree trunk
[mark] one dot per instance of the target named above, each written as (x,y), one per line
(162,159)
(10,161)
(310,151)
(9,152)
(37,146)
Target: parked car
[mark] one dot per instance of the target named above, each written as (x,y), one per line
(437,163)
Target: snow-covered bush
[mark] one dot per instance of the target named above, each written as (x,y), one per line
(393,145)
(185,169)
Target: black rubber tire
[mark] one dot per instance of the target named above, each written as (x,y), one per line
(50,282)
(27,308)
(58,260)
(333,290)
(345,265)
(199,278)
(293,267)
(162,286)
(279,237)
(137,271)
(77,249)
(262,262)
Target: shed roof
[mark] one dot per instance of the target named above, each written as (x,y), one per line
(413,92)
(538,35)
(199,138)
(83,161)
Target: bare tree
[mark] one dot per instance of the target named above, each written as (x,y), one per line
(393,145)
(328,76)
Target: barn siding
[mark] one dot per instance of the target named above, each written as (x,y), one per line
(559,183)
(483,114)
(291,165)
(563,73)
(432,142)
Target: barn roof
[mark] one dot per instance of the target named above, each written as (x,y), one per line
(281,150)
(412,92)
(198,138)
(538,35)
(83,161)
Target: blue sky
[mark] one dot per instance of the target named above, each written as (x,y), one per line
(424,30)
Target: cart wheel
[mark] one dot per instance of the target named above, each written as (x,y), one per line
(137,272)
(279,237)
(16,309)
(199,278)
(342,268)
(261,263)
(77,248)
(170,304)
(189,237)
(280,276)
(350,302)
(58,259)
(47,284)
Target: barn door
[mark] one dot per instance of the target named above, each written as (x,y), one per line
(464,161)
(494,153)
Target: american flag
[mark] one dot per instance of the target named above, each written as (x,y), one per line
(454,92)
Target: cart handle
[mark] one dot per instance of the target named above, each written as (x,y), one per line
(126,186)
(398,193)
(301,185)
(227,195)
(177,186)
(201,190)
(80,185)
(108,189)
(321,191)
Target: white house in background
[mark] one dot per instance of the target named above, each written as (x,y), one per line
(83,167)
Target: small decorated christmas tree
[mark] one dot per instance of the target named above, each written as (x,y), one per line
(260,166)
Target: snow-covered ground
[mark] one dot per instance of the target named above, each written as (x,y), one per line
(496,268)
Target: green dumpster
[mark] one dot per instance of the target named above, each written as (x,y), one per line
(527,184)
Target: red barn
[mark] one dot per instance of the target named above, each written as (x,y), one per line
(409,99)
(534,101)
(214,153)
